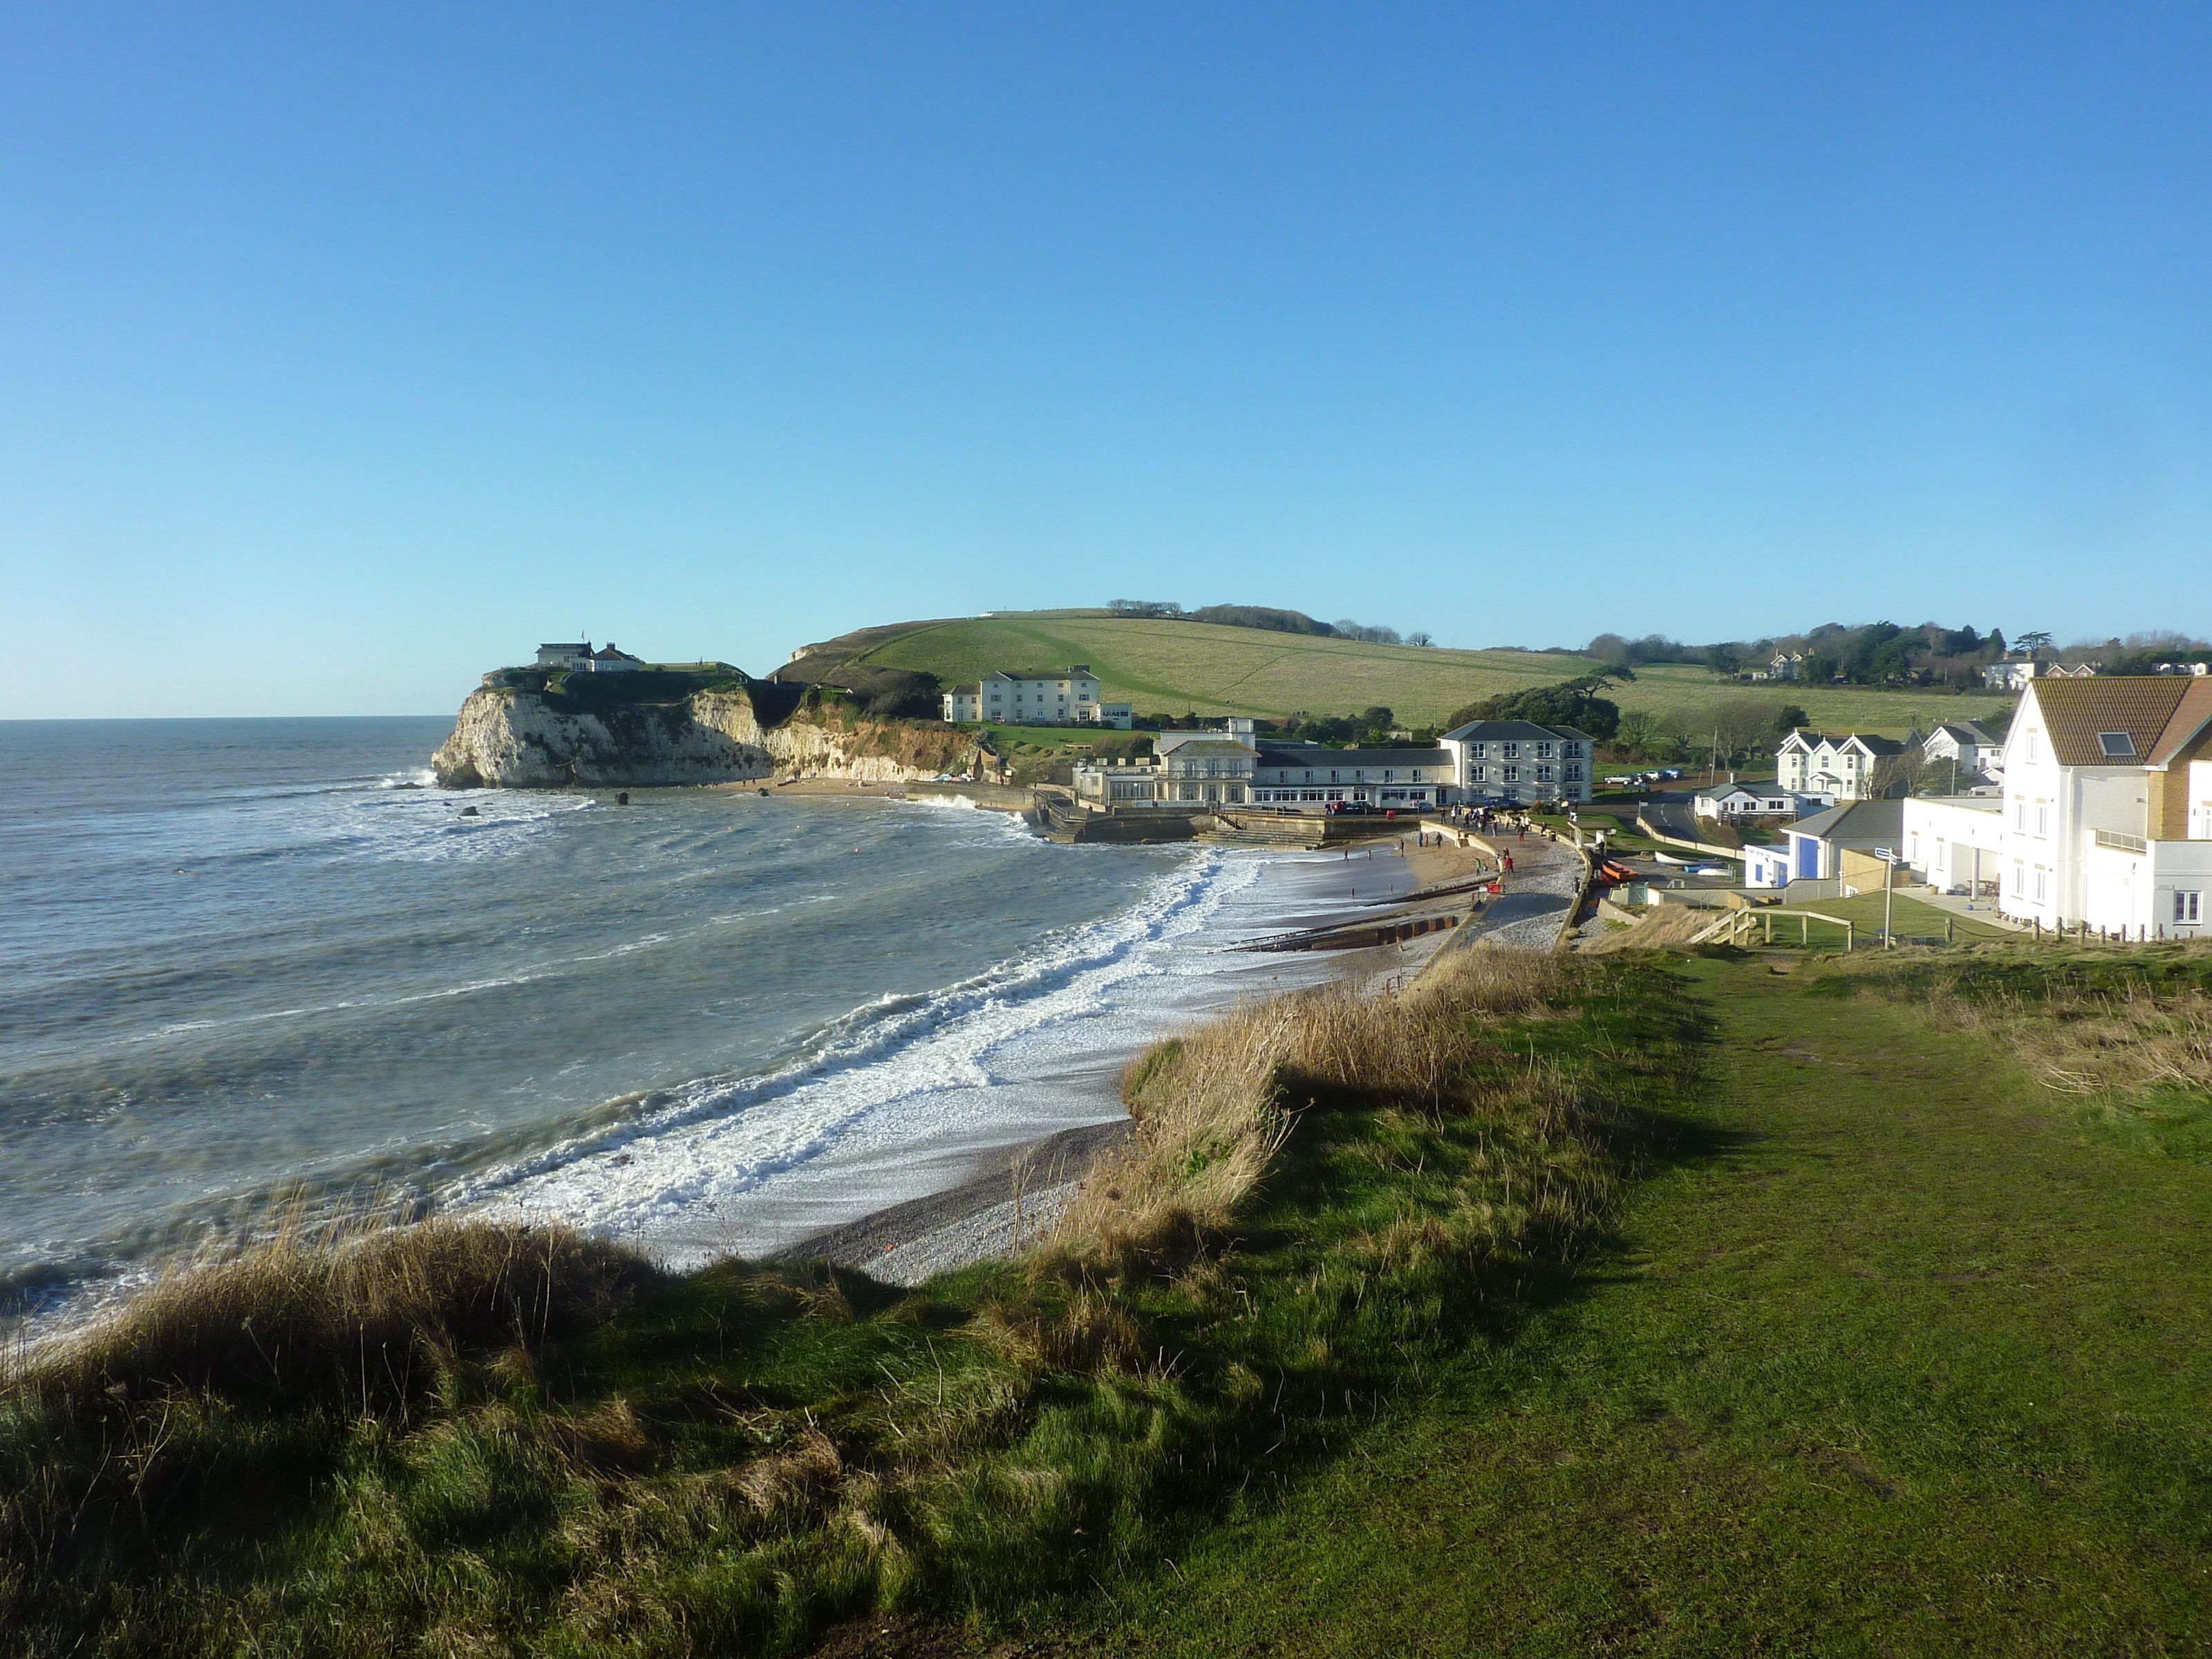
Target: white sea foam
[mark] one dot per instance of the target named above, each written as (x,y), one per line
(896,1065)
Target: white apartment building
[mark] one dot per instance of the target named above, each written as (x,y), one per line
(1519,761)
(1044,696)
(2107,805)
(1831,770)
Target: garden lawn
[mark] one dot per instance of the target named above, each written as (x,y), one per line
(1899,1353)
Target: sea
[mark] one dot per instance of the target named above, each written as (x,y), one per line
(263,972)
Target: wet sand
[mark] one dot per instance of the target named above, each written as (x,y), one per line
(1003,1198)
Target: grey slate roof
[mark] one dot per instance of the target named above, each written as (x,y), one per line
(1304,754)
(1511,731)
(1855,820)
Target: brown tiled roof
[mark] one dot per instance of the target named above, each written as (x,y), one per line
(2075,711)
(2187,720)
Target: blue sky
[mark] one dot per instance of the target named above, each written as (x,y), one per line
(345,352)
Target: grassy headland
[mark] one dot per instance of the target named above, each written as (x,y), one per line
(1165,666)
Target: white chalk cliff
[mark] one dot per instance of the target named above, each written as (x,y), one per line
(524,739)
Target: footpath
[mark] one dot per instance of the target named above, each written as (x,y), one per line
(1898,1353)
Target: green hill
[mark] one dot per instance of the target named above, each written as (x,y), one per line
(1169,666)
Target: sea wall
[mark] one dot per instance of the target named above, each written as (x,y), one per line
(510,739)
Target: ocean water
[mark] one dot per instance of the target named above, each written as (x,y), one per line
(260,965)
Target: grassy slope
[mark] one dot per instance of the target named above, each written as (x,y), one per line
(1169,667)
(1902,1354)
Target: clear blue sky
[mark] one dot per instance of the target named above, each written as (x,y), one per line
(346,351)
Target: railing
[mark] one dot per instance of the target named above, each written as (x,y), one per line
(2117,842)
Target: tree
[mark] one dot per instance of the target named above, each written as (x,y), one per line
(1420,639)
(1571,702)
(1790,718)
(1608,648)
(2034,644)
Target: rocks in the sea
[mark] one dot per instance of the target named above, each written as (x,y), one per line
(471,812)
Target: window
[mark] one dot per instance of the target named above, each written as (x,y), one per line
(2117,746)
(2188,908)
(2042,819)
(1512,774)
(1480,774)
(1510,751)
(2042,883)
(1543,751)
(1479,751)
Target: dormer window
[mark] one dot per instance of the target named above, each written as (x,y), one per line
(2117,746)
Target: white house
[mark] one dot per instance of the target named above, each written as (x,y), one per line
(2010,675)
(1787,666)
(1956,843)
(1970,750)
(1737,802)
(1521,760)
(1831,769)
(2108,805)
(1046,697)
(1208,769)
(578,657)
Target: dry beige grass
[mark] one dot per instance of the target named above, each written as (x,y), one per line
(1213,1107)
(370,1318)
(2093,1042)
(1667,927)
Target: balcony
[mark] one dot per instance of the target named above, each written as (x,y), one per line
(2115,841)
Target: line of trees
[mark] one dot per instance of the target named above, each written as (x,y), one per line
(1885,653)
(1865,654)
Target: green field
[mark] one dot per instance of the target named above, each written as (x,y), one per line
(1899,1353)
(1165,667)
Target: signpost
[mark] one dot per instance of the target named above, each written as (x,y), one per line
(1888,857)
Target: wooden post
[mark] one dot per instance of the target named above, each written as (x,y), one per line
(1949,924)
(1770,927)
(1851,937)
(1805,932)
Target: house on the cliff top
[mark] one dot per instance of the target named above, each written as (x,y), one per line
(577,657)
